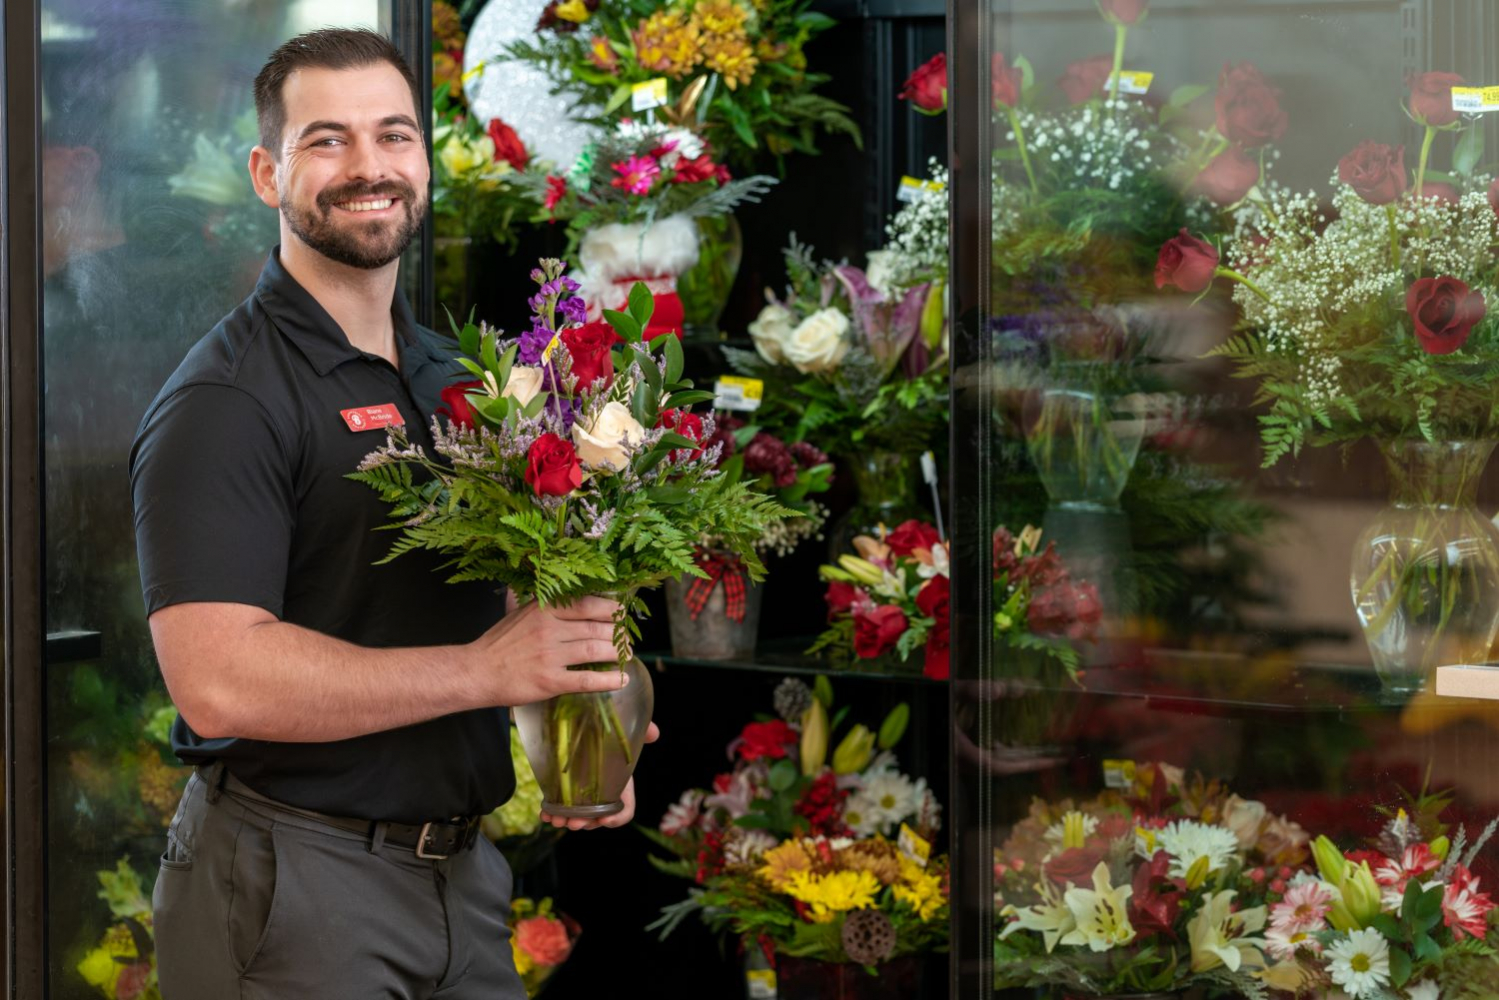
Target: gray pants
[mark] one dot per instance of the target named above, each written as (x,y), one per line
(260,902)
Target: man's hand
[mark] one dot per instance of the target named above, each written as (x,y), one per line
(524,658)
(625,815)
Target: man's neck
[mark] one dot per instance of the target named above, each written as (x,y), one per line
(359,300)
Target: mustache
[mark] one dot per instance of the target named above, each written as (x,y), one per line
(329,197)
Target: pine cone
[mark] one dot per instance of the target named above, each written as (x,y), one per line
(868,936)
(792,698)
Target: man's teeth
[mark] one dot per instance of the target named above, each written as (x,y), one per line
(367,206)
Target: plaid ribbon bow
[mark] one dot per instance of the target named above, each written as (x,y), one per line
(727,569)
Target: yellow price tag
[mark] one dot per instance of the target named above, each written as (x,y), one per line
(1475,100)
(546,352)
(735,392)
(915,189)
(1119,774)
(761,983)
(647,95)
(473,74)
(1131,81)
(912,846)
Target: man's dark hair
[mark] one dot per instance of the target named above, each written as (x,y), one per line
(326,48)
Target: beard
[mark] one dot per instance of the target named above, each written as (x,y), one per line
(365,244)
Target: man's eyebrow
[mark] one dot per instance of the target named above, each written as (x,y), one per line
(332,126)
(400,120)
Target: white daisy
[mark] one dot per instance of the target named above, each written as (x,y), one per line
(861,815)
(1426,990)
(1360,963)
(1188,842)
(1284,941)
(892,795)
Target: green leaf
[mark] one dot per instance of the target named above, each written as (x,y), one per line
(1388,926)
(1428,909)
(783,775)
(473,368)
(618,98)
(1186,94)
(822,689)
(814,22)
(642,304)
(682,400)
(507,361)
(487,352)
(668,495)
(1469,151)
(1400,967)
(672,440)
(625,325)
(1427,949)
(1027,72)
(674,360)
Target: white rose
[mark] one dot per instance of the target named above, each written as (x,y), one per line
(523,385)
(770,330)
(610,440)
(819,343)
(1244,818)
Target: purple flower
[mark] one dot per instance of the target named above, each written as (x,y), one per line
(532,343)
(574,310)
(564,409)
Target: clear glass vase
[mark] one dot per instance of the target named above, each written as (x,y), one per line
(1084,446)
(1425,572)
(886,483)
(584,747)
(705,286)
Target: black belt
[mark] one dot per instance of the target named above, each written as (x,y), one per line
(433,841)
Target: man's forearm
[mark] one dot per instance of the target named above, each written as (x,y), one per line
(285,683)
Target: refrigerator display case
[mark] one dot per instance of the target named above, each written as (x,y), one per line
(1226,281)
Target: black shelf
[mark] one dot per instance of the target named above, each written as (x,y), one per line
(788,656)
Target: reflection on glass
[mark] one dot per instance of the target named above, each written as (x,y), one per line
(1242,335)
(151,233)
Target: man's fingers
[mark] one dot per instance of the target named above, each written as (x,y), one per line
(652,734)
(589,631)
(594,681)
(588,609)
(625,815)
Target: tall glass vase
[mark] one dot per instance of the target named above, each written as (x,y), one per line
(886,482)
(705,286)
(1425,572)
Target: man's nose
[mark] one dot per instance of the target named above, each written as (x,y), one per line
(365,162)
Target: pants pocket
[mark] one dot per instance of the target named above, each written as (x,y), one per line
(254,890)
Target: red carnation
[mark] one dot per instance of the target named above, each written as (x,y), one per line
(456,405)
(1249,110)
(507,145)
(1431,97)
(1186,262)
(1085,78)
(688,425)
(1376,172)
(767,740)
(552,466)
(926,88)
(1005,81)
(556,191)
(1445,311)
(910,537)
(876,631)
(822,806)
(842,596)
(591,348)
(692,171)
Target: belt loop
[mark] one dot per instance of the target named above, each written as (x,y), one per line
(377,836)
(213,778)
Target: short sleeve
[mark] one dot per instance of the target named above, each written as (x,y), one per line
(214,501)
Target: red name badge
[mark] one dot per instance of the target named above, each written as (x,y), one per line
(372,418)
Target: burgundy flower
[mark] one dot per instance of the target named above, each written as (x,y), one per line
(1249,110)
(822,806)
(1005,80)
(1445,310)
(1228,178)
(1075,865)
(1042,569)
(1085,78)
(1186,262)
(933,600)
(1065,608)
(1376,172)
(1156,901)
(1004,558)
(876,631)
(766,455)
(926,88)
(808,456)
(1431,97)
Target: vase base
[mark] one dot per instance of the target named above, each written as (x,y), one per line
(582,812)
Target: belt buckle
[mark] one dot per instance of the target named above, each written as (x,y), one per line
(421,844)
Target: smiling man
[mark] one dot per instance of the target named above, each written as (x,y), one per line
(347,719)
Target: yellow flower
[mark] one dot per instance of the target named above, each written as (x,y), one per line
(731,57)
(834,893)
(524,963)
(1102,919)
(1051,917)
(722,17)
(783,862)
(854,752)
(877,856)
(573,10)
(667,43)
(99,969)
(1220,936)
(459,157)
(921,890)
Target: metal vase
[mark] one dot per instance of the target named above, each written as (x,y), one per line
(712,636)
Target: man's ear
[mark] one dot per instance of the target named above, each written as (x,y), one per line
(263,176)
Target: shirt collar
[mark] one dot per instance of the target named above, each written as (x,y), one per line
(304,321)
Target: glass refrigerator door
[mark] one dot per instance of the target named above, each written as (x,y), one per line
(150,233)
(1226,388)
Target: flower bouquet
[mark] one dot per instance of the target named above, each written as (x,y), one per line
(811,858)
(1373,321)
(541,940)
(123,964)
(631,202)
(563,472)
(1161,884)
(744,57)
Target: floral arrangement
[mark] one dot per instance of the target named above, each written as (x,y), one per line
(562,472)
(786,472)
(1372,319)
(916,241)
(540,939)
(794,852)
(1163,883)
(745,58)
(123,964)
(856,366)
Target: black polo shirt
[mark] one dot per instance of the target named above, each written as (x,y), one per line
(238,478)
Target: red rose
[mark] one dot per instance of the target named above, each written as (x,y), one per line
(1431,97)
(841,597)
(1249,110)
(591,347)
(926,88)
(876,631)
(1085,79)
(456,405)
(507,145)
(545,939)
(692,171)
(1123,11)
(1445,311)
(556,191)
(767,740)
(933,600)
(552,467)
(686,424)
(1494,195)
(1186,262)
(1439,191)
(1075,865)
(1228,178)
(911,536)
(1005,81)
(1376,172)
(1065,608)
